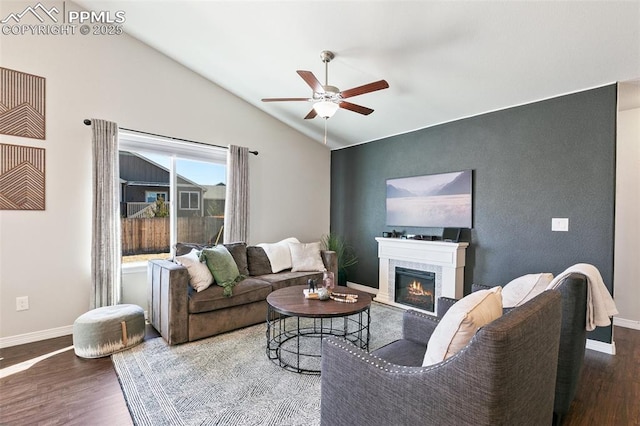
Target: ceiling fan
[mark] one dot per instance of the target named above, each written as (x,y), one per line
(328,99)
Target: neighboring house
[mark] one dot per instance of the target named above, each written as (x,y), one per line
(214,199)
(143,182)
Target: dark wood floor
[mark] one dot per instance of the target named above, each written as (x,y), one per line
(65,389)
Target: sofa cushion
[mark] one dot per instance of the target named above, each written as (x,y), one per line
(305,257)
(258,262)
(279,254)
(458,326)
(200,276)
(246,291)
(185,248)
(288,278)
(222,266)
(524,288)
(239,253)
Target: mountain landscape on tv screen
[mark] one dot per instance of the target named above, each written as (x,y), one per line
(442,200)
(459,185)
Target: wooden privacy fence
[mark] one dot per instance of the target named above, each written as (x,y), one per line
(141,236)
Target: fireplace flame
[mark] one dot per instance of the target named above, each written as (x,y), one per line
(416,289)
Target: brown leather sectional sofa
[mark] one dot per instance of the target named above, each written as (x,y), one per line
(182,315)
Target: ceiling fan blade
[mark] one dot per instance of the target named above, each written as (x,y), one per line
(285,99)
(361,90)
(311,80)
(355,108)
(312,114)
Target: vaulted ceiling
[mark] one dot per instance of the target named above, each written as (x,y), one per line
(443,60)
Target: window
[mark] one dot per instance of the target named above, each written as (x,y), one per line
(153,173)
(189,200)
(152,197)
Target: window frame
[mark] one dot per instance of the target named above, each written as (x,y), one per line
(146,195)
(174,149)
(189,208)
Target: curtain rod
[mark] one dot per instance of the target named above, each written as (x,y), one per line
(88,123)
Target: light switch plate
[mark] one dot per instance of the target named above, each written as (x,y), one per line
(560,224)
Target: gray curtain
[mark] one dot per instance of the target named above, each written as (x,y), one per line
(105,244)
(236,208)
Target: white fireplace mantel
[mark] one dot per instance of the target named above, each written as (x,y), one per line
(446,258)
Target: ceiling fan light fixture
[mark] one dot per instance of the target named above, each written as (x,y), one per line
(328,99)
(325,109)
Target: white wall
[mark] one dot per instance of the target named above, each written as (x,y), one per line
(626,278)
(45,255)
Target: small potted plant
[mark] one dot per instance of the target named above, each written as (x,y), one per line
(344,253)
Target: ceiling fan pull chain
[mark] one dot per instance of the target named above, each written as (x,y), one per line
(325,129)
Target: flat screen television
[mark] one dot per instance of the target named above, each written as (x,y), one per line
(439,200)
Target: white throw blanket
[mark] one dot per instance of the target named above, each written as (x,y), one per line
(279,254)
(600,304)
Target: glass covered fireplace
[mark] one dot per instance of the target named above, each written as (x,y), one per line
(416,288)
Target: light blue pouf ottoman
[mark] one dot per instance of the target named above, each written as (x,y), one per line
(107,330)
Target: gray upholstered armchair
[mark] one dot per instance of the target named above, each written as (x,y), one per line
(573,339)
(504,376)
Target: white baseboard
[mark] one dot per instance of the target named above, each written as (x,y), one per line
(596,345)
(36,336)
(626,323)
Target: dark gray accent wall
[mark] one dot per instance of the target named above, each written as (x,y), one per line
(553,158)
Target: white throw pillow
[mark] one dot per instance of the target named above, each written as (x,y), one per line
(461,322)
(524,288)
(199,274)
(279,254)
(305,257)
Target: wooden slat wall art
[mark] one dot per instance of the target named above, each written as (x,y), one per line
(22,104)
(22,177)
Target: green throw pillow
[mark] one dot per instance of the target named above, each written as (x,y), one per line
(223,267)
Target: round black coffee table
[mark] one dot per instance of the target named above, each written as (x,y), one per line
(296,326)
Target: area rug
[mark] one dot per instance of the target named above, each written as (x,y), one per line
(227,379)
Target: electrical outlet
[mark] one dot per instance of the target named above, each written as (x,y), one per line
(22,303)
(560,224)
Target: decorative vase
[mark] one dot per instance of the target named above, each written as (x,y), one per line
(328,280)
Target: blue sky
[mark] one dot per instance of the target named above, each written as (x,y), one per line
(199,172)
(202,173)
